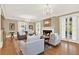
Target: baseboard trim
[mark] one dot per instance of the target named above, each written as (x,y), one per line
(77,42)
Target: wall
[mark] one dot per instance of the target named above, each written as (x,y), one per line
(54,25)
(6,26)
(38,28)
(1,42)
(0,34)
(78,28)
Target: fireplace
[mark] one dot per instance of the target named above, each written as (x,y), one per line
(47,32)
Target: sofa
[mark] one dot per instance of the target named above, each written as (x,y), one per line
(33,46)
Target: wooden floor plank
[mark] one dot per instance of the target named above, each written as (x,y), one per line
(8,48)
(65,48)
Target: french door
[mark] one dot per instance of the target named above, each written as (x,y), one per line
(69,27)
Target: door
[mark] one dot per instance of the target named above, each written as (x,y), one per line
(69,27)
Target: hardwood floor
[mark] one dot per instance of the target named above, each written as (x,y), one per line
(64,48)
(8,48)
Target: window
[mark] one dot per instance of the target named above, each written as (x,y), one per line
(22,26)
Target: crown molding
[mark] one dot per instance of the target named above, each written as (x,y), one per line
(3,10)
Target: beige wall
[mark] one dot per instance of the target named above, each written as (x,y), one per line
(0,28)
(54,24)
(6,26)
(1,38)
(0,24)
(0,33)
(78,27)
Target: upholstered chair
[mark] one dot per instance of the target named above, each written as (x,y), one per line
(54,39)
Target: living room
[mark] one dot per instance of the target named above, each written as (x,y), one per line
(41,21)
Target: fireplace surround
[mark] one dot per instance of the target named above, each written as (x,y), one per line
(47,32)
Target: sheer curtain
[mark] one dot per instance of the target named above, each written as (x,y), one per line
(62,26)
(74,28)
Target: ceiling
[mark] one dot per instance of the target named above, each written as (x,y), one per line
(36,12)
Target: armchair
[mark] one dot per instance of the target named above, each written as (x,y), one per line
(54,39)
(21,36)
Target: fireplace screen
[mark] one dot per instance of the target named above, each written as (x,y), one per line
(47,32)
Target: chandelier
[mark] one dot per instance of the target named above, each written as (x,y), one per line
(48,10)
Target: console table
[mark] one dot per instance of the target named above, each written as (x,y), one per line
(12,35)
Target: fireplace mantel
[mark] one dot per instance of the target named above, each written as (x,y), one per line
(48,28)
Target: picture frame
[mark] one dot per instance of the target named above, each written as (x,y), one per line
(47,22)
(12,26)
(30,26)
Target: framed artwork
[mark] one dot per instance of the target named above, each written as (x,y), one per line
(30,26)
(11,26)
(47,22)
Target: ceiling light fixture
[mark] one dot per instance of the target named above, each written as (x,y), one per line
(47,10)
